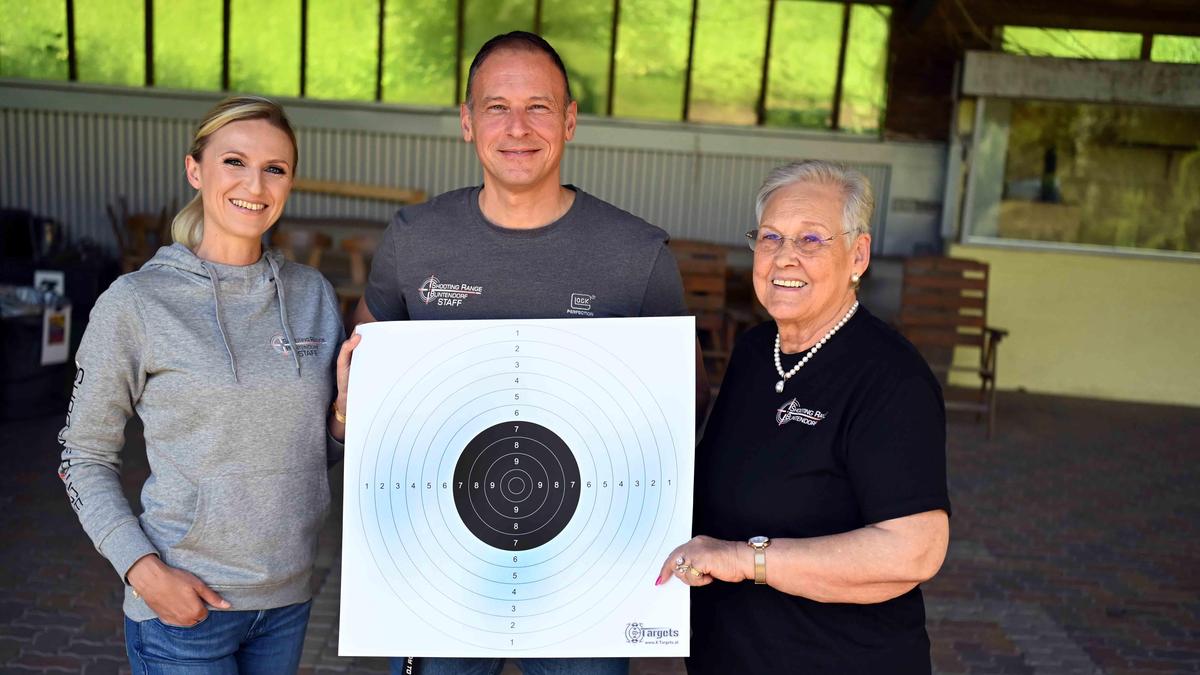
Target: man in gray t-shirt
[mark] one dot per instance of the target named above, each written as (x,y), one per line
(521,246)
(444,259)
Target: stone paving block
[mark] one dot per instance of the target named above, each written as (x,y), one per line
(9,649)
(46,663)
(104,667)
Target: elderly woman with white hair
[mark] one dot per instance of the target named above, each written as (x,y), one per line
(821,499)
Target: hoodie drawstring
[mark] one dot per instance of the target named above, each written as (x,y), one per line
(283,320)
(212,278)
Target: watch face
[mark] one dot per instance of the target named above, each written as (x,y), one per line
(759,541)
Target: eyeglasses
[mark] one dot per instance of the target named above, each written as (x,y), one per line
(770,243)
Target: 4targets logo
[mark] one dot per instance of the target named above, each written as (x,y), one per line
(435,291)
(636,633)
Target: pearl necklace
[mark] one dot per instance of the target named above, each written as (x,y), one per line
(820,343)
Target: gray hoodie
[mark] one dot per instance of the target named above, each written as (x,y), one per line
(231,370)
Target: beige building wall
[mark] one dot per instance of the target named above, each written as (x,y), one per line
(1100,326)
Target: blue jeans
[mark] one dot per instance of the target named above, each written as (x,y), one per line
(250,642)
(528,666)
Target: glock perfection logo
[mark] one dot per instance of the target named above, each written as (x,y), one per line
(636,633)
(434,291)
(581,304)
(793,412)
(305,346)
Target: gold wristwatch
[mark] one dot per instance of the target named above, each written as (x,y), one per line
(759,544)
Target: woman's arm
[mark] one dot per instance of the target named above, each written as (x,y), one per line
(110,374)
(871,564)
(111,371)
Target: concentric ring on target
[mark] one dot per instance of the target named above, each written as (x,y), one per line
(516,485)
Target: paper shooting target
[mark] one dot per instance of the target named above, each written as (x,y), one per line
(512,487)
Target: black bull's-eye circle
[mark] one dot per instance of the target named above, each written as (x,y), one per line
(516,485)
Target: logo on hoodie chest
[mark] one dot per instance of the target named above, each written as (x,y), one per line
(305,346)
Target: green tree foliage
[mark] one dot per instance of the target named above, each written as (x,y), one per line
(264,47)
(484,19)
(581,32)
(110,41)
(419,58)
(728,59)
(1071,43)
(803,70)
(1175,49)
(418,52)
(187,45)
(864,80)
(33,39)
(343,41)
(652,49)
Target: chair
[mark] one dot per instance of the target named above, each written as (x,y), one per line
(702,267)
(943,306)
(138,235)
(295,242)
(359,249)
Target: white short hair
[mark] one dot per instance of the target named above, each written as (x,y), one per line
(859,198)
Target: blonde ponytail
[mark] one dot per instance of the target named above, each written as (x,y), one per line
(188,226)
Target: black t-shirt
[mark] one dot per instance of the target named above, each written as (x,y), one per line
(857,437)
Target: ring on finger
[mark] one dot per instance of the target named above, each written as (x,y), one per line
(694,572)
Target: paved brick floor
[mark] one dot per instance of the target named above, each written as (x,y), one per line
(1074,550)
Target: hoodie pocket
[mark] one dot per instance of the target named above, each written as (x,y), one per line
(254,530)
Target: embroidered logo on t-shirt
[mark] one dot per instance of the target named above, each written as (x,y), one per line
(435,291)
(305,346)
(793,412)
(581,304)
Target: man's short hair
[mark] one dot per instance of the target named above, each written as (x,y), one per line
(520,41)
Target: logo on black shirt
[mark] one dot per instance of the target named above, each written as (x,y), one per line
(434,291)
(792,412)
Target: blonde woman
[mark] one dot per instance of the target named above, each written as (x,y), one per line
(227,354)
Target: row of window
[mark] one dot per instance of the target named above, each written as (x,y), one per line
(1094,44)
(773,62)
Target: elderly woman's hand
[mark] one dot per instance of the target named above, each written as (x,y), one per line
(703,559)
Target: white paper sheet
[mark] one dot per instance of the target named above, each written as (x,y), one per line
(513,486)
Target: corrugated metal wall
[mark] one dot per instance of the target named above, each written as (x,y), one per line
(69,165)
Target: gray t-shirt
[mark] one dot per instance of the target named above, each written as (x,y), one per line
(443,259)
